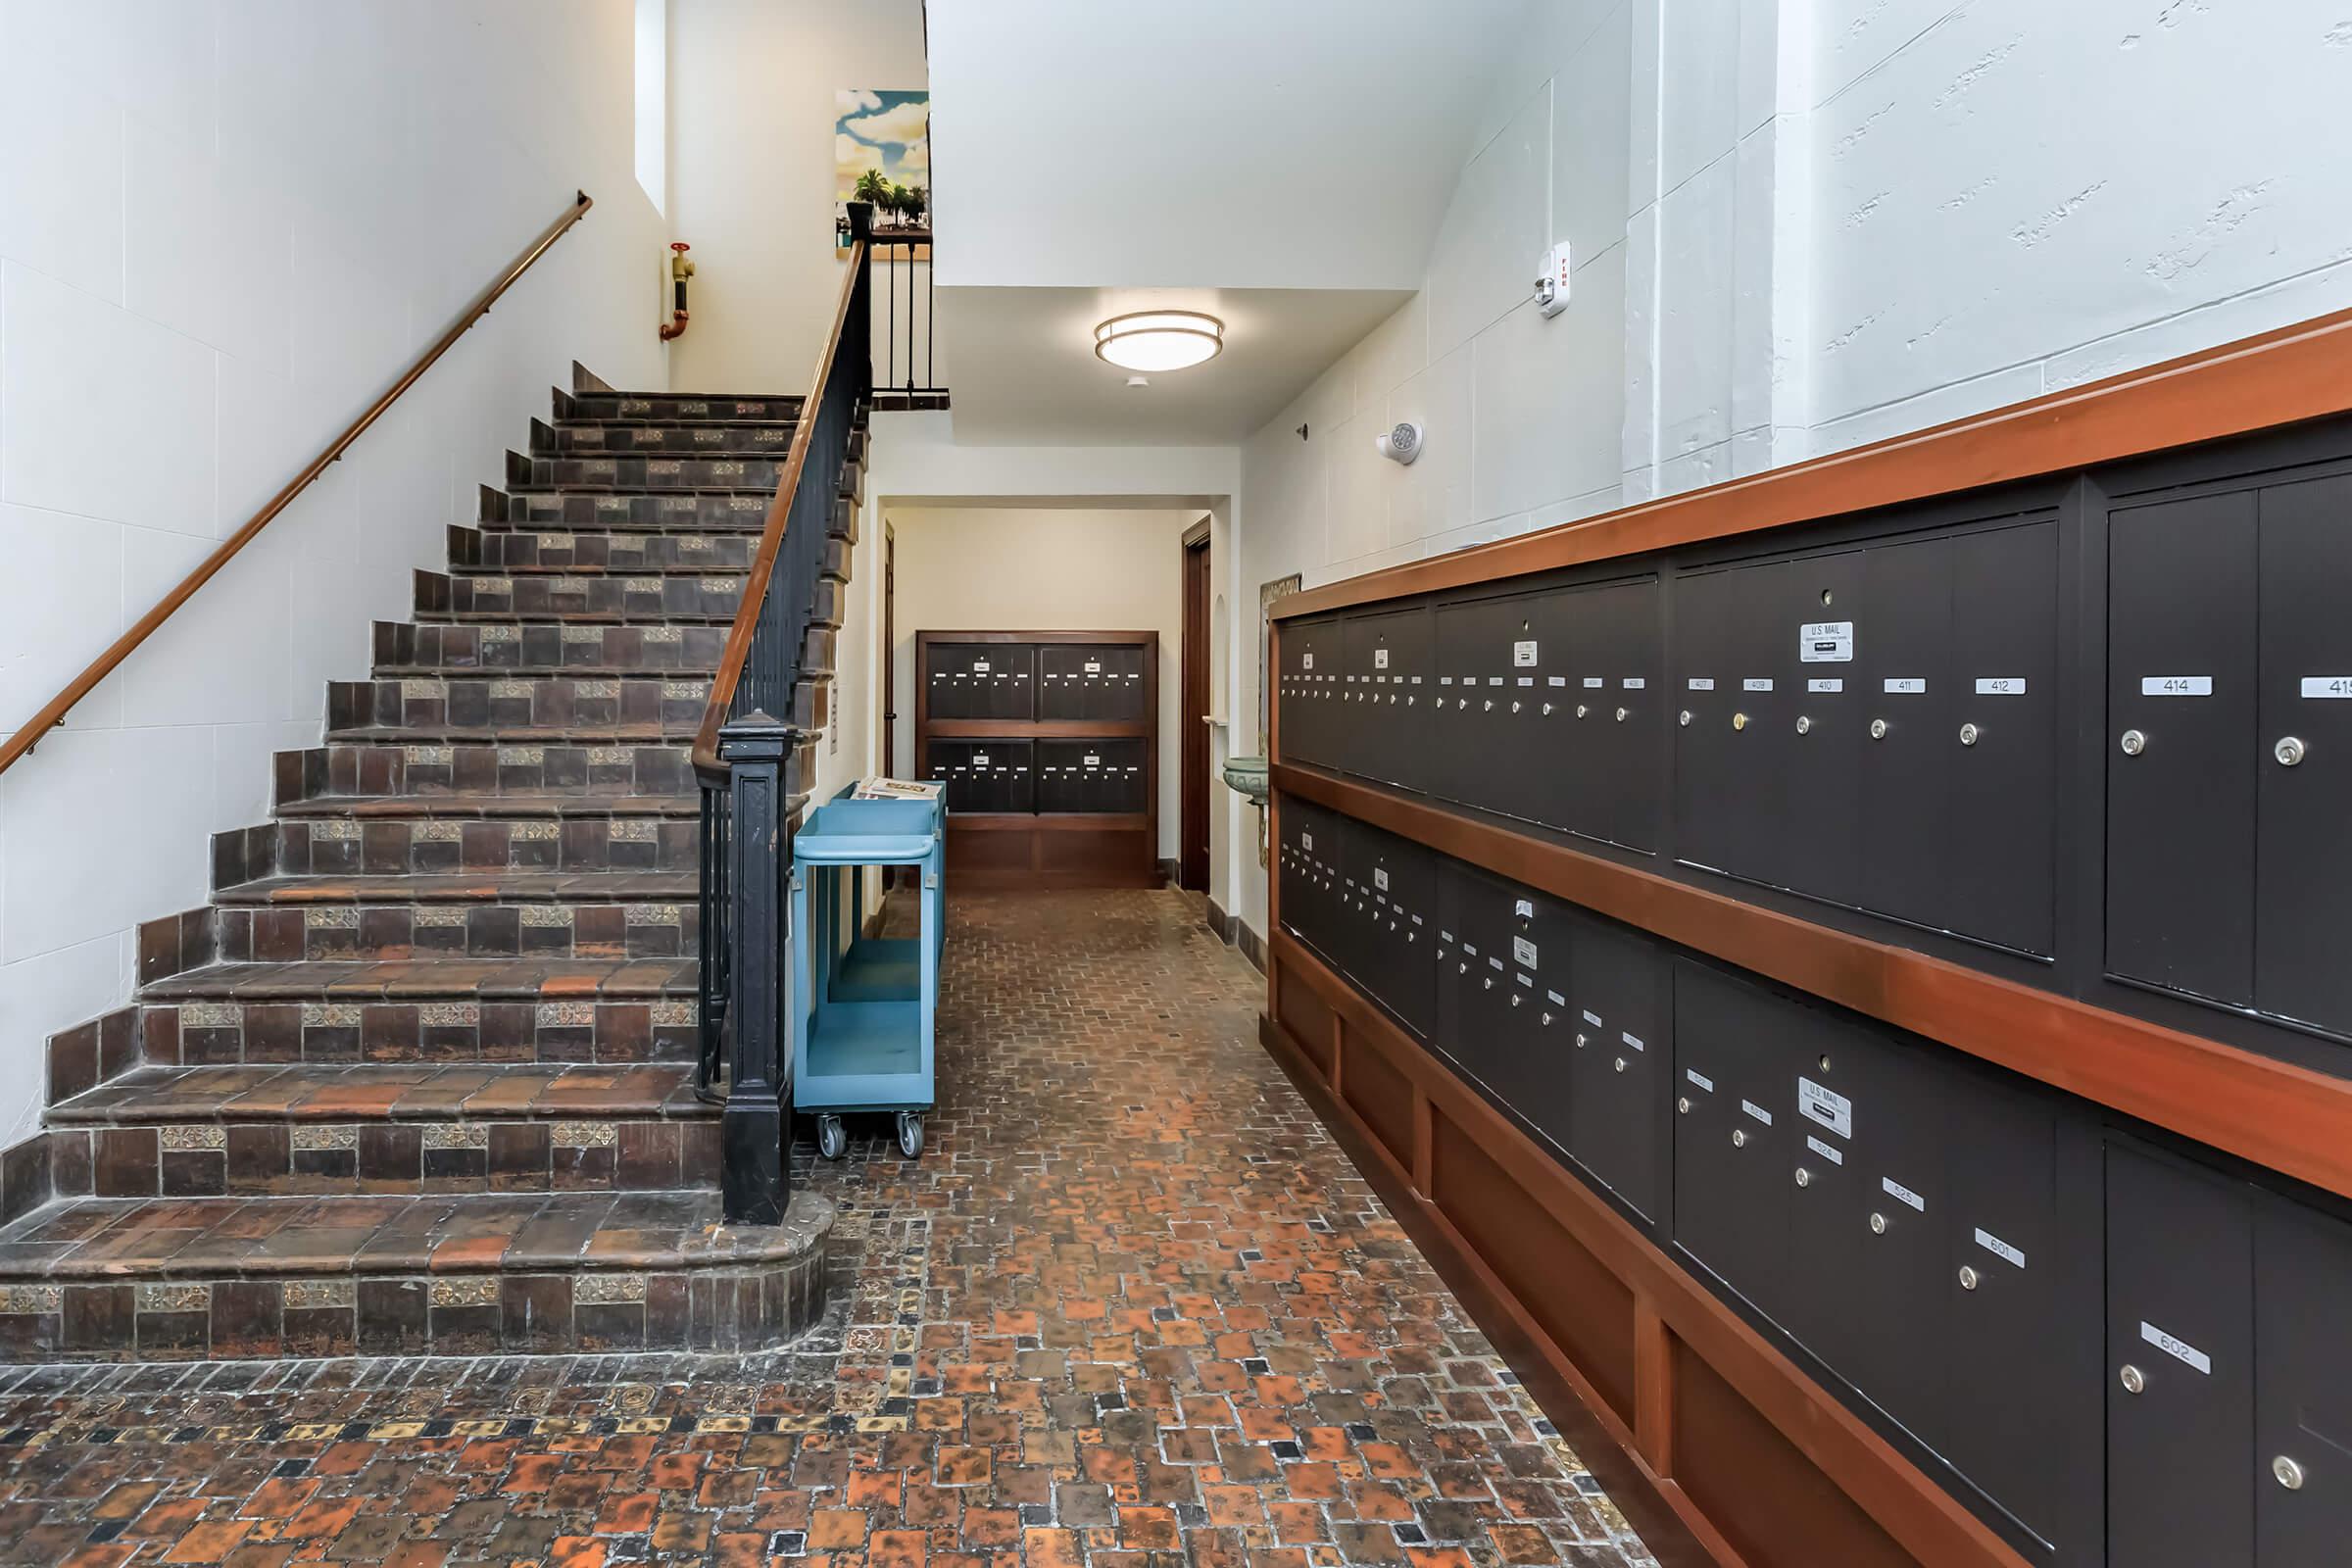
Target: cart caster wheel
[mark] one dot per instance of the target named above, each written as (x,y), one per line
(910,1134)
(830,1141)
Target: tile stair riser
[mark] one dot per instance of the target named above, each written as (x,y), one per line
(594,550)
(542,702)
(220,1034)
(579,438)
(491,648)
(600,595)
(527,507)
(485,929)
(643,474)
(478,769)
(235,1157)
(673,408)
(331,848)
(721,1310)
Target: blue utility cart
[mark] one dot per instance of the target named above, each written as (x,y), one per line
(862,1036)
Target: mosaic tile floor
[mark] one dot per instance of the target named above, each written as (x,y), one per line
(1131,1303)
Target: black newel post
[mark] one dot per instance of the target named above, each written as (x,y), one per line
(757,1120)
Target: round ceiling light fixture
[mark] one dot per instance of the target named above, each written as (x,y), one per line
(1159,340)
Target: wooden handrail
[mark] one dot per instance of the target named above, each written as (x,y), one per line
(772,535)
(53,713)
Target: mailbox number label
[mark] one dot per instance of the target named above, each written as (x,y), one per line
(2009,686)
(1905,685)
(1696,1076)
(1702,683)
(2178,1349)
(2327,685)
(1826,1150)
(1999,1248)
(1757,1111)
(2176,685)
(1901,1194)
(1754,684)
(1835,683)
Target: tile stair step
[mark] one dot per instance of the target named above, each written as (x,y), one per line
(396,922)
(500,648)
(417,980)
(505,888)
(508,617)
(584,732)
(601,438)
(599,549)
(223,1278)
(382,1091)
(647,596)
(591,771)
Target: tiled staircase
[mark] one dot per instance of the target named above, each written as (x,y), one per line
(422,1076)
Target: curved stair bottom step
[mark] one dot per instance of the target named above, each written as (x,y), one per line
(117,1280)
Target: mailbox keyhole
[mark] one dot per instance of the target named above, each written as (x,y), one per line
(1827,597)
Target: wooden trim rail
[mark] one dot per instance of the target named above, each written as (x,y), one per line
(2297,372)
(53,713)
(707,760)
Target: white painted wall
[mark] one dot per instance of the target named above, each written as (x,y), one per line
(751,158)
(226,226)
(1800,226)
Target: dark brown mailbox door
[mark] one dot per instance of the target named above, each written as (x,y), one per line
(1821,611)
(1606,783)
(1905,742)
(1730,1147)
(2303,878)
(2001,858)
(2302,1460)
(2180,745)
(2179,1365)
(1618,1059)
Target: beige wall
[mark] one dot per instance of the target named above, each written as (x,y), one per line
(1045,569)
(751,84)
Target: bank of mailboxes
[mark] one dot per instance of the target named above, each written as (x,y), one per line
(1090,682)
(981,681)
(1876,727)
(991,775)
(2229,747)
(1090,775)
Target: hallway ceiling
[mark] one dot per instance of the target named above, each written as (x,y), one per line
(1023,367)
(1310,144)
(1283,167)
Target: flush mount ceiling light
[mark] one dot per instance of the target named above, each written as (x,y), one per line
(1159,340)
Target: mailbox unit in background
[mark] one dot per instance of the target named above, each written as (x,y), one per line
(1074,716)
(1385,697)
(980,680)
(1307,689)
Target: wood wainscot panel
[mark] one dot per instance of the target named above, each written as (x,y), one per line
(1573,1297)
(1675,1323)
(1378,1089)
(1772,1503)
(1302,1010)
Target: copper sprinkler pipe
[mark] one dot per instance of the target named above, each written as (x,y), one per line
(680,269)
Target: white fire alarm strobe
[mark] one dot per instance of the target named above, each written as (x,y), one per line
(1551,279)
